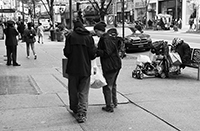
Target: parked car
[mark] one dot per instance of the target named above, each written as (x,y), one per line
(45,23)
(135,40)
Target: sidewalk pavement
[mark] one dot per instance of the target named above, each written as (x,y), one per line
(34,97)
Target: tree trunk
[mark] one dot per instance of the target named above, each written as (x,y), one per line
(34,14)
(102,17)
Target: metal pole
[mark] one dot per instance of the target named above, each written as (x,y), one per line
(23,11)
(176,9)
(70,14)
(122,18)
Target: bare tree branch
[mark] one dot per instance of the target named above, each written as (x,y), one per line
(95,7)
(46,6)
(108,5)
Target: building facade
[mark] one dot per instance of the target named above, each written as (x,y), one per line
(135,9)
(7,9)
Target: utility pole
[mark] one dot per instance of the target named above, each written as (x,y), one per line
(70,14)
(122,3)
(176,4)
(23,11)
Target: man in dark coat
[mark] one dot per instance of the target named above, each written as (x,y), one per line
(11,43)
(80,50)
(111,65)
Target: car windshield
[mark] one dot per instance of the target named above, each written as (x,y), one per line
(127,31)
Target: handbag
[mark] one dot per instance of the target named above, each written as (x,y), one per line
(64,67)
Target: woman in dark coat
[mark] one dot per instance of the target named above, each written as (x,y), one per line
(11,43)
(29,37)
(111,64)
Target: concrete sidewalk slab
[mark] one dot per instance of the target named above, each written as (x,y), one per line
(38,119)
(47,83)
(12,102)
(125,117)
(182,113)
(96,98)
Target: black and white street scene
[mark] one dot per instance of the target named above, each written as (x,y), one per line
(99,65)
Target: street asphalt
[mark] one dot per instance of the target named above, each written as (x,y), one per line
(34,97)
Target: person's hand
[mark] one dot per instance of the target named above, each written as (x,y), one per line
(94,70)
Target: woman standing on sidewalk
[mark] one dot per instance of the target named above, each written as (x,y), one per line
(29,36)
(110,62)
(11,43)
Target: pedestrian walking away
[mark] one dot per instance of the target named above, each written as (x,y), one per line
(21,28)
(80,50)
(111,64)
(11,43)
(29,36)
(40,33)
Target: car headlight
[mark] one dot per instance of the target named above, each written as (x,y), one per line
(126,40)
(149,39)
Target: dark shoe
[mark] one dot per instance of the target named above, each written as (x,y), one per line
(35,57)
(81,118)
(108,109)
(16,64)
(8,64)
(75,111)
(115,105)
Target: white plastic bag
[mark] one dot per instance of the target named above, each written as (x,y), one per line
(142,59)
(175,58)
(96,79)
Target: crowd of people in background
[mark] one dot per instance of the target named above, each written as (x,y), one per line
(26,32)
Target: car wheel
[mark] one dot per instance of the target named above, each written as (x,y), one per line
(127,51)
(148,49)
(133,74)
(141,75)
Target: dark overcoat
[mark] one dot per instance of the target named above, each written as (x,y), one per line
(80,50)
(11,33)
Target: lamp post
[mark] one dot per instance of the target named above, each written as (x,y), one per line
(23,11)
(176,4)
(122,18)
(70,14)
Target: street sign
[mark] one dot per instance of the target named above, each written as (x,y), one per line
(7,10)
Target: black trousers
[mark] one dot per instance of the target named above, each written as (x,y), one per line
(11,54)
(110,90)
(78,87)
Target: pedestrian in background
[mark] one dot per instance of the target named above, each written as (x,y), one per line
(29,36)
(40,33)
(191,22)
(111,65)
(11,43)
(80,50)
(21,28)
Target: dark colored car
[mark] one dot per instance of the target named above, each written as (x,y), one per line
(134,40)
